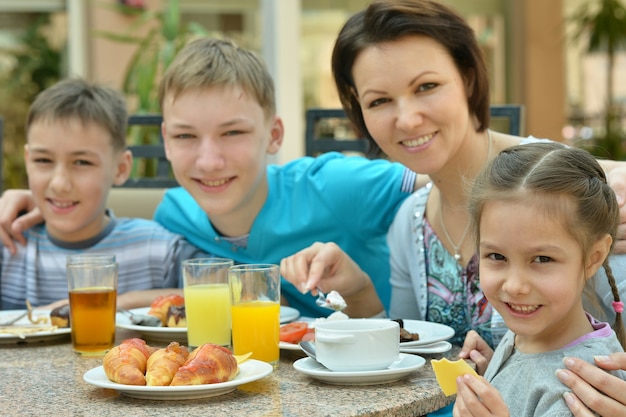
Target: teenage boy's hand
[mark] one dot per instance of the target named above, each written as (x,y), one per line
(477,350)
(593,388)
(12,224)
(616,178)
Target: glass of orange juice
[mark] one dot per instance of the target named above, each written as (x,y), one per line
(207,301)
(92,285)
(255,291)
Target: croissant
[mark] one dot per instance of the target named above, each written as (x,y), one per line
(207,364)
(161,305)
(126,362)
(163,364)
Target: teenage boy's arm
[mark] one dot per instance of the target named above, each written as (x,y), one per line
(12,224)
(128,300)
(616,177)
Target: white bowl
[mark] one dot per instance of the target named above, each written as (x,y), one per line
(357,344)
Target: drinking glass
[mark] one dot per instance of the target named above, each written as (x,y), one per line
(92,285)
(255,291)
(207,301)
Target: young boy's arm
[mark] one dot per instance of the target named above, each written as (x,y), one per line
(143,298)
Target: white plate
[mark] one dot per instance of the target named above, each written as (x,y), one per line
(42,336)
(179,334)
(437,347)
(249,371)
(288,314)
(406,365)
(288,346)
(429,332)
(160,334)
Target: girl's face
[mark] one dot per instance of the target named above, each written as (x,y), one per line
(533,272)
(414,101)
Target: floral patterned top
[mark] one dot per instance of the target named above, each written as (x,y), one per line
(459,304)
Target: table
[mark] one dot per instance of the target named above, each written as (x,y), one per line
(46,379)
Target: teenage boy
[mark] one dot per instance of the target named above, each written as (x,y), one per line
(75,152)
(219,126)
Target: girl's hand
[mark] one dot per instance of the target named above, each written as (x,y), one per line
(477,350)
(477,398)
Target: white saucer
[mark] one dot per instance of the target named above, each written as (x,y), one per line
(437,347)
(406,365)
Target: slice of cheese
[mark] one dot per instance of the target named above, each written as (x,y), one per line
(447,373)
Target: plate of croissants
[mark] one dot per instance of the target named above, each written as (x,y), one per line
(174,373)
(170,309)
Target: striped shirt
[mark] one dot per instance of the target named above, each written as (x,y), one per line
(148,256)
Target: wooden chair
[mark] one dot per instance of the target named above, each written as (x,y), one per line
(330,130)
(143,153)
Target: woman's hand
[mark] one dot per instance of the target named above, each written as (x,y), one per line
(478,398)
(616,178)
(593,389)
(477,350)
(327,266)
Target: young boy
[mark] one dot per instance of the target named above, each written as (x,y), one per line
(75,152)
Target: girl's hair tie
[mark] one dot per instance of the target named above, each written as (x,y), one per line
(618,306)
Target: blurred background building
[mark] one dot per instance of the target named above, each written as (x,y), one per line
(533,58)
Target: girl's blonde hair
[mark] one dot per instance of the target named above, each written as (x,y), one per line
(568,182)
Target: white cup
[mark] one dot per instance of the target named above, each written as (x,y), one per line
(357,344)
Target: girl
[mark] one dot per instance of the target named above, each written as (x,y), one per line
(545,220)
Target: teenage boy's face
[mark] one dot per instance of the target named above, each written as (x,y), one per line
(71,167)
(217,141)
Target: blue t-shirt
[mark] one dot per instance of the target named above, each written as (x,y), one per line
(332,198)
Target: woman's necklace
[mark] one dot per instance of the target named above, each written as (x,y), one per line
(457,251)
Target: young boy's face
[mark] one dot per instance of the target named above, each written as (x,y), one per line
(217,141)
(71,166)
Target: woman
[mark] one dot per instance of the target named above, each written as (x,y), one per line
(412,79)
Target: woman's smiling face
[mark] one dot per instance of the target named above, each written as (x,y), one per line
(414,101)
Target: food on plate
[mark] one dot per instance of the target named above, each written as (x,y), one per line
(337,315)
(160,307)
(126,362)
(163,364)
(405,335)
(335,301)
(207,364)
(37,320)
(176,316)
(60,316)
(133,362)
(447,372)
(293,332)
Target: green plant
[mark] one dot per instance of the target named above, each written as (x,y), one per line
(158,35)
(603,24)
(36,65)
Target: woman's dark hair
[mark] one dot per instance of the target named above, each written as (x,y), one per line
(390,20)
